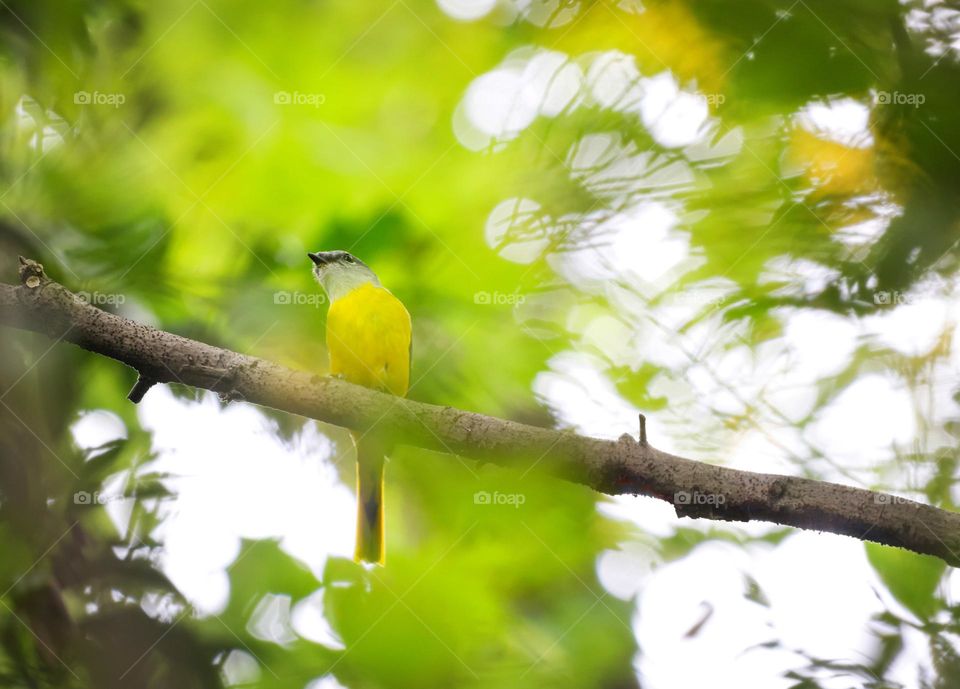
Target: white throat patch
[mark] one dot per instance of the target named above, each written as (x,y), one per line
(339,279)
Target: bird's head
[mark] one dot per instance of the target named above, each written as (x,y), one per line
(339,272)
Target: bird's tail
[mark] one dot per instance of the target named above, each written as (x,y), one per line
(371,544)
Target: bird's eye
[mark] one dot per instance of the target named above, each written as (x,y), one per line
(349,259)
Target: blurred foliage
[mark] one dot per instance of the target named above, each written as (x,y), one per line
(504,177)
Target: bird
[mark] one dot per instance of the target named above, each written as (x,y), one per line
(369,341)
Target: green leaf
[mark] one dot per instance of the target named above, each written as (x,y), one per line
(100,465)
(911,578)
(263,567)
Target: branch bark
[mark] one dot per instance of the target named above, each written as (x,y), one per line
(624,466)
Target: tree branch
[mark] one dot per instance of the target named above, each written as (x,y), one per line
(617,467)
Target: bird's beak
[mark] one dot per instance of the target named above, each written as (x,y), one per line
(321,258)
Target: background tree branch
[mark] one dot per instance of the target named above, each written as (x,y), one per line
(625,466)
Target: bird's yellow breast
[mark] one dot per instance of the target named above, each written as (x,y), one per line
(368,337)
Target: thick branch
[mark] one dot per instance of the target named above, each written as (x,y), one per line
(613,467)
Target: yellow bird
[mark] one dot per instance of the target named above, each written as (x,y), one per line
(369,339)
